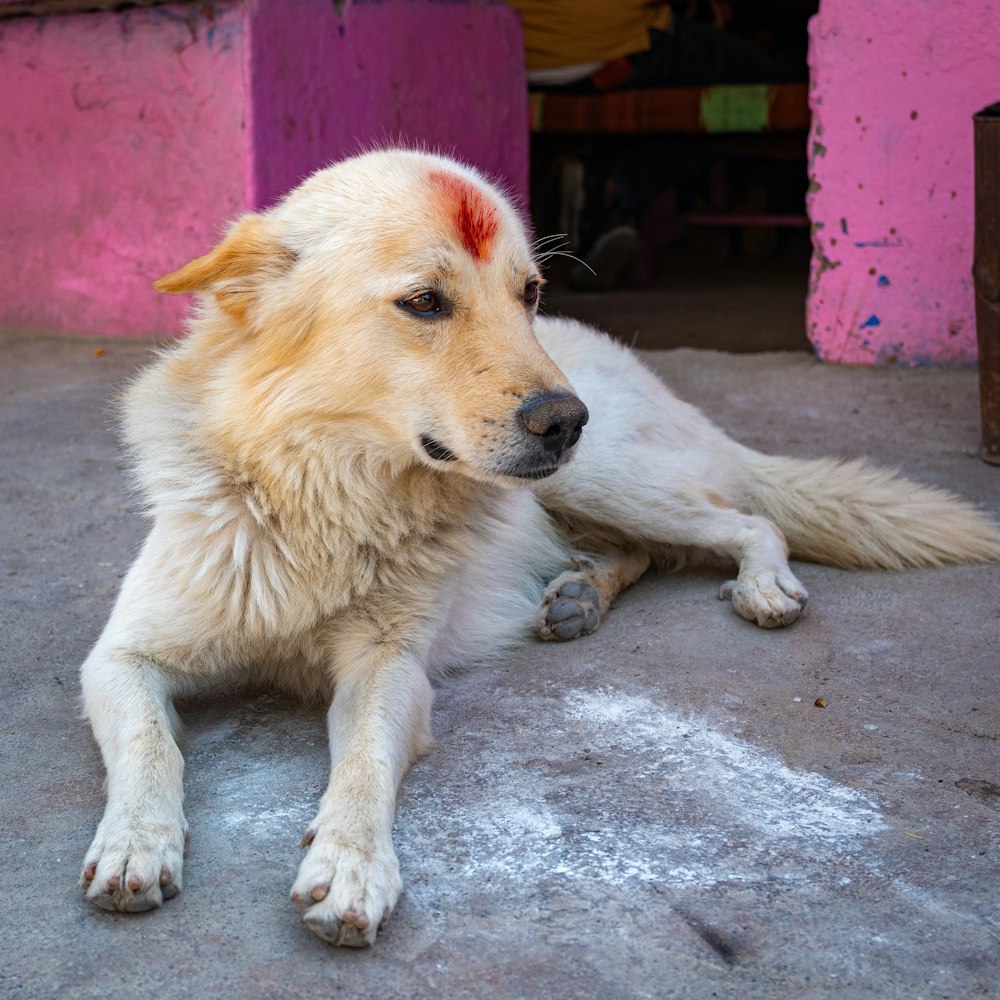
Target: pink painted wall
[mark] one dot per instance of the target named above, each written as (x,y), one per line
(894,87)
(123,149)
(129,139)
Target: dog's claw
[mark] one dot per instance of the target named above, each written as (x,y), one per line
(339,932)
(352,937)
(358,920)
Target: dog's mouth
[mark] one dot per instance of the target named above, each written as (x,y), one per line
(436,450)
(525,469)
(543,473)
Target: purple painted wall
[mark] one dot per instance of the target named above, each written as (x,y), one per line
(446,75)
(894,88)
(128,140)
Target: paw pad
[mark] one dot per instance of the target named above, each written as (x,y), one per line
(574,611)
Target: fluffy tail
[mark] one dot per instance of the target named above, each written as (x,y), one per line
(857,516)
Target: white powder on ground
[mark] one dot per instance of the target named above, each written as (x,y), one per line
(612,789)
(674,802)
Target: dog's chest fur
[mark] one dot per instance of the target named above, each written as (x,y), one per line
(266,552)
(351,526)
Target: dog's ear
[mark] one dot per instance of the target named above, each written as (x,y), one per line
(235,268)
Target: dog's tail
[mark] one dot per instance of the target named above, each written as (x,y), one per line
(858,516)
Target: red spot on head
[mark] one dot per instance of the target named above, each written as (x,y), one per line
(474,217)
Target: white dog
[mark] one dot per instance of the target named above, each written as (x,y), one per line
(368,461)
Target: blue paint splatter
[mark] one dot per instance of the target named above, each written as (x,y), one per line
(883,281)
(871,321)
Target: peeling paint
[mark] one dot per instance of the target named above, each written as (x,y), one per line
(880,168)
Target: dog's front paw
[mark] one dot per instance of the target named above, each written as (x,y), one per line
(768,598)
(134,864)
(569,608)
(346,891)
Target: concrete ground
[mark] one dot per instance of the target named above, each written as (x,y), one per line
(658,810)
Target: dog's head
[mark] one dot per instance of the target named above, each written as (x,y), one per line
(390,296)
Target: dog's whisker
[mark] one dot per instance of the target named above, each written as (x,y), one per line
(570,256)
(541,241)
(543,254)
(554,249)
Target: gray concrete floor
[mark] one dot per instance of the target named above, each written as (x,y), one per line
(658,810)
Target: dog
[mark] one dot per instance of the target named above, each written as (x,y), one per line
(370,460)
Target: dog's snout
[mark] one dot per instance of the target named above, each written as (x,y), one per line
(556,419)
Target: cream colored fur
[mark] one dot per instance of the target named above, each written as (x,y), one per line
(341,505)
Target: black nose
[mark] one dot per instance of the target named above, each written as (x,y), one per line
(557,419)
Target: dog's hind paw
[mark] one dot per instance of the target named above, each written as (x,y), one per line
(132,867)
(345,892)
(569,609)
(767,598)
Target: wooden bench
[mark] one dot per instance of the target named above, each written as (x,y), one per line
(735,108)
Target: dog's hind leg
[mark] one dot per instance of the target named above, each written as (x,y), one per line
(658,473)
(135,860)
(669,501)
(575,601)
(379,722)
(765,591)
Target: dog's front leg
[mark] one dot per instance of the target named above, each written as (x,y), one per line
(379,722)
(135,860)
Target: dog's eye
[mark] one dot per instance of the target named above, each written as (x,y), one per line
(424,304)
(531,292)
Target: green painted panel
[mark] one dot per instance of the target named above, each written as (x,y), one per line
(742,108)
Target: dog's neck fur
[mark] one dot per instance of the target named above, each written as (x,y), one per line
(310,504)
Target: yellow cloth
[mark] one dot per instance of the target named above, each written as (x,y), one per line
(572,32)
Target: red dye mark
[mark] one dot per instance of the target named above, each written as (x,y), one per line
(475,218)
